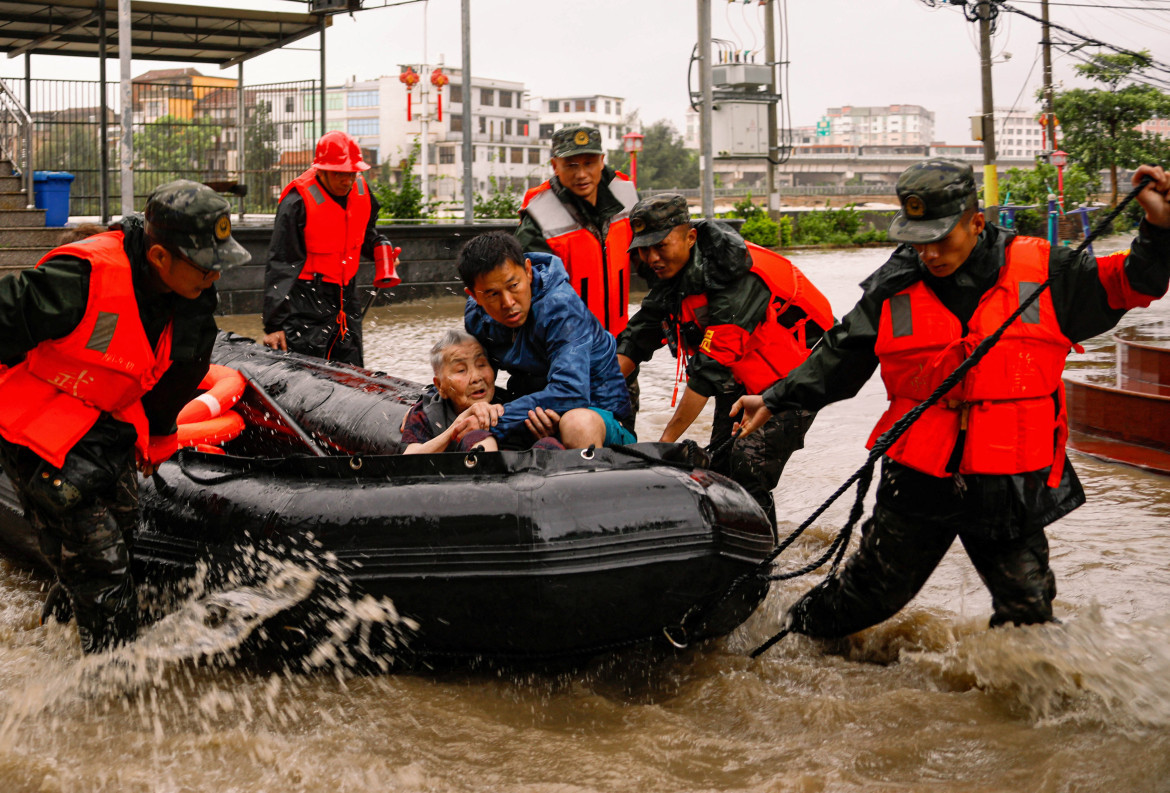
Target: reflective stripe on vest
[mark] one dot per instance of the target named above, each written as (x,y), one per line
(333,234)
(1010,406)
(777,345)
(105,364)
(600,275)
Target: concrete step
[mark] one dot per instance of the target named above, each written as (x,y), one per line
(11,184)
(13,260)
(30,236)
(22,218)
(6,168)
(14,200)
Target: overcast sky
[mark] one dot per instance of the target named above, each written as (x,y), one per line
(841,52)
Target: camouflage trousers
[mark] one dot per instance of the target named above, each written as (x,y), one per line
(756,462)
(87,543)
(897,556)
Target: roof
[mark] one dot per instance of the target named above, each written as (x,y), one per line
(159,31)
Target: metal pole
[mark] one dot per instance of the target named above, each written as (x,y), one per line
(28,166)
(990,177)
(321,97)
(1046,44)
(468,156)
(126,98)
(424,163)
(773,136)
(104,122)
(241,135)
(706,144)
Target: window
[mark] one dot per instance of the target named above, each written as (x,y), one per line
(502,156)
(592,105)
(487,96)
(608,107)
(617,108)
(446,155)
(565,107)
(332,126)
(579,105)
(290,104)
(534,156)
(363,99)
(518,155)
(482,124)
(546,130)
(554,106)
(456,122)
(334,101)
(507,126)
(362,126)
(456,92)
(505,98)
(286,131)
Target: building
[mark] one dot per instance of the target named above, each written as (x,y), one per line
(1155,126)
(597,110)
(892,125)
(172,92)
(1019,134)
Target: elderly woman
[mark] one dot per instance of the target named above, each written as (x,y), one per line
(463,404)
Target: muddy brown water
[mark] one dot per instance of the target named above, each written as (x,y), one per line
(929,701)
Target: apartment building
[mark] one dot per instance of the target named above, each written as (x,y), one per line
(892,125)
(595,110)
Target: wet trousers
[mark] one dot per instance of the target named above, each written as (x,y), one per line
(756,462)
(894,560)
(87,538)
(312,327)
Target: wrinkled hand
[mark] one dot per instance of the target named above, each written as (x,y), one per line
(275,340)
(543,423)
(480,416)
(754,414)
(1155,199)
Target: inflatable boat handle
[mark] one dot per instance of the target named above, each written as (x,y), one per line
(290,422)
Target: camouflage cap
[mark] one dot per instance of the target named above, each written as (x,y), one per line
(653,218)
(195,220)
(570,141)
(934,194)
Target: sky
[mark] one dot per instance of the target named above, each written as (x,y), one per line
(840,52)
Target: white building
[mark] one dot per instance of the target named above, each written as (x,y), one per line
(892,125)
(597,110)
(1019,134)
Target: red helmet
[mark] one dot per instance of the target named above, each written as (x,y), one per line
(337,151)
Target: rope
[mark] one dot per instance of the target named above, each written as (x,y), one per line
(890,436)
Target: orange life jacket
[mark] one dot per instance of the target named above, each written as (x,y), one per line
(333,235)
(778,344)
(1011,405)
(53,397)
(599,273)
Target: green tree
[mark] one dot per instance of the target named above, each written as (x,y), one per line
(663,163)
(262,158)
(175,147)
(1031,187)
(1099,123)
(406,202)
(81,156)
(502,201)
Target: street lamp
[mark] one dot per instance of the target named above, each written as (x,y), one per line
(1059,158)
(631,145)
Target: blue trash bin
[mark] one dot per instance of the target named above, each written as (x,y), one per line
(51,193)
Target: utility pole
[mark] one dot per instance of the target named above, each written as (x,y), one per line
(990,177)
(706,143)
(773,138)
(1049,112)
(468,185)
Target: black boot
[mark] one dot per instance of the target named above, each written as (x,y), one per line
(57,605)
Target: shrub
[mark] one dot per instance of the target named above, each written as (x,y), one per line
(761,230)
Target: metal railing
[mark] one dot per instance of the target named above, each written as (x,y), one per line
(16,137)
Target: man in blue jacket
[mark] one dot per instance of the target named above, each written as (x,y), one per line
(562,364)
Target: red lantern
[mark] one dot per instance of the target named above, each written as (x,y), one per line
(438,79)
(410,79)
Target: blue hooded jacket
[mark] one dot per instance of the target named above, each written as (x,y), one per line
(560,358)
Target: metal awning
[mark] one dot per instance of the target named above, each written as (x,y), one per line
(160,31)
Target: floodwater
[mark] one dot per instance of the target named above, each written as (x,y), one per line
(929,701)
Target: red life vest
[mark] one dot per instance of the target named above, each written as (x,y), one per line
(778,344)
(53,397)
(1011,404)
(600,274)
(333,234)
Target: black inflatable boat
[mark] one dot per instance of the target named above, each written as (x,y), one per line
(534,555)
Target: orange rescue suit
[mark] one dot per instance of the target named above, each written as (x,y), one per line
(778,343)
(333,234)
(599,274)
(1010,405)
(105,364)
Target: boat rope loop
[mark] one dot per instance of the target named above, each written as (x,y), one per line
(864,475)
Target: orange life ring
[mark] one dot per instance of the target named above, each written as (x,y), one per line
(217,430)
(222,387)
